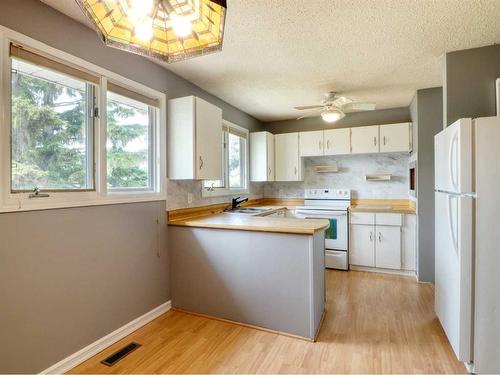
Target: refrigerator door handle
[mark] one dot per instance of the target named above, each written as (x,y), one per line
(453,231)
(452,159)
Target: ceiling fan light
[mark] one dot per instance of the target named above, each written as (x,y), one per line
(331,115)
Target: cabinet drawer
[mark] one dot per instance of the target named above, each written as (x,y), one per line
(388,219)
(367,218)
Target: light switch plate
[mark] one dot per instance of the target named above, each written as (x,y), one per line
(190,198)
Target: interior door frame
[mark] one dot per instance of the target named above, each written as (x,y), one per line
(498,96)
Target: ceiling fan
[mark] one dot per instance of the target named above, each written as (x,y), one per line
(334,107)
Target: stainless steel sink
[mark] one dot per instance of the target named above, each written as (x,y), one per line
(248,210)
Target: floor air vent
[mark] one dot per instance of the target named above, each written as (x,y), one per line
(120,354)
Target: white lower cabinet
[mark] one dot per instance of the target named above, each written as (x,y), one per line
(376,240)
(362,249)
(388,247)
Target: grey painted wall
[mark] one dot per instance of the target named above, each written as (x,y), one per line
(469,89)
(272,280)
(69,277)
(383,116)
(427,113)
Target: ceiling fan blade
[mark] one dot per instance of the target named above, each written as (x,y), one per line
(358,107)
(310,113)
(341,101)
(303,107)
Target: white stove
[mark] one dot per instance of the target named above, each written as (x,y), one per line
(332,205)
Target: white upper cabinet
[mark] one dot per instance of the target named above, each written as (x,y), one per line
(337,141)
(287,159)
(395,137)
(365,140)
(311,143)
(194,139)
(261,156)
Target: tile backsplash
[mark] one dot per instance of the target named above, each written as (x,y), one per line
(177,194)
(351,175)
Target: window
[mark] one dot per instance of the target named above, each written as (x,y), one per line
(58,147)
(234,162)
(130,134)
(51,129)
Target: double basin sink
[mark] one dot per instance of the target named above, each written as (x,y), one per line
(248,210)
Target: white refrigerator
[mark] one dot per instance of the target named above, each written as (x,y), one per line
(467,240)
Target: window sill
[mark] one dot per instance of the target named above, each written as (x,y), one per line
(222,192)
(22,204)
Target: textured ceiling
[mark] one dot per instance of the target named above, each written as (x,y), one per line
(282,53)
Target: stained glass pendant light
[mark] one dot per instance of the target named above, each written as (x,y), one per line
(169,30)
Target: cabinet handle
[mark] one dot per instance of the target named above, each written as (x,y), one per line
(371,236)
(269,171)
(374,141)
(320,145)
(384,140)
(328,144)
(379,237)
(295,170)
(201,162)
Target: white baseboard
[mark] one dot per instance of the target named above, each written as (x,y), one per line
(384,270)
(89,351)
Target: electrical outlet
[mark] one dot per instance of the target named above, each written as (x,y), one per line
(190,198)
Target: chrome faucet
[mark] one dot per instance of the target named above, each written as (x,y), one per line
(235,202)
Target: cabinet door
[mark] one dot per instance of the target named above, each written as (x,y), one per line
(409,241)
(337,141)
(395,138)
(270,156)
(261,156)
(362,249)
(311,143)
(286,147)
(365,140)
(208,122)
(388,247)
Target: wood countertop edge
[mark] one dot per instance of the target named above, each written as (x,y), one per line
(394,210)
(248,227)
(253,224)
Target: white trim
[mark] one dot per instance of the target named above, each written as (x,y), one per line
(97,346)
(498,96)
(10,202)
(384,270)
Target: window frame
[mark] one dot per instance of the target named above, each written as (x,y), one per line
(20,201)
(90,125)
(154,117)
(227,190)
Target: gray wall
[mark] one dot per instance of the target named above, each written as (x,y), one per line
(271,280)
(383,116)
(427,113)
(469,89)
(69,277)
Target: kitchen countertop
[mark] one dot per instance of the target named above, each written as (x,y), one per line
(255,223)
(385,206)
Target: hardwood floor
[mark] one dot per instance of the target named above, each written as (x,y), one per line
(374,324)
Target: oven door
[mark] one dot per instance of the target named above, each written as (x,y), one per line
(336,235)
